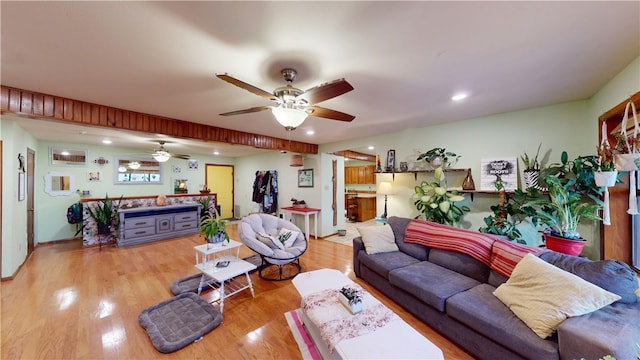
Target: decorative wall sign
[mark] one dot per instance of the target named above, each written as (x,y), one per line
(391,160)
(192,164)
(504,168)
(305,178)
(93,176)
(176,169)
(101,161)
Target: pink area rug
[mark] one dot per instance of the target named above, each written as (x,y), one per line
(305,344)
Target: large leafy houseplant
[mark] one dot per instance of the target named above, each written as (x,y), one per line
(576,175)
(437,204)
(213,228)
(564,209)
(105,214)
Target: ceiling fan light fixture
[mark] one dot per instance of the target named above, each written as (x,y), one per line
(161,156)
(289,118)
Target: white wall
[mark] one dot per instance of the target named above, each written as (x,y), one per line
(14,212)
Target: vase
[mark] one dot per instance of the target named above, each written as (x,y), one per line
(468,183)
(564,245)
(605,178)
(531,178)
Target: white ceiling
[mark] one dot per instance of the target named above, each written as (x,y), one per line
(404,59)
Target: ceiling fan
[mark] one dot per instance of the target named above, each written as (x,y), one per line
(162,155)
(294,105)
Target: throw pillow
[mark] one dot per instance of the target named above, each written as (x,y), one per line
(265,238)
(543,296)
(287,237)
(378,239)
(438,236)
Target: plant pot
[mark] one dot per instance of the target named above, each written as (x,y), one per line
(605,178)
(436,162)
(531,178)
(217,238)
(564,245)
(104,229)
(353,308)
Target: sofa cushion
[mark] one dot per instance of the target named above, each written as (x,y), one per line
(460,263)
(382,263)
(430,283)
(378,239)
(611,275)
(480,310)
(438,236)
(543,295)
(599,332)
(399,227)
(506,254)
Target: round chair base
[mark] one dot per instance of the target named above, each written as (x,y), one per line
(273,272)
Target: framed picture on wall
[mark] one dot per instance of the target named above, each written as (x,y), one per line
(21,186)
(305,178)
(391,160)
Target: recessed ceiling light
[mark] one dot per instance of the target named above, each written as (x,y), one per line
(106,141)
(310,132)
(371,147)
(459,96)
(216,153)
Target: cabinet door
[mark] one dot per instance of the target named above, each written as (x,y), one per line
(362,179)
(348,175)
(370,176)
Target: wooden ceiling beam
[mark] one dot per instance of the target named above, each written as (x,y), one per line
(51,107)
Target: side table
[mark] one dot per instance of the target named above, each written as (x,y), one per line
(207,258)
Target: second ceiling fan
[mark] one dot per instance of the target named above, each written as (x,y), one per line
(294,105)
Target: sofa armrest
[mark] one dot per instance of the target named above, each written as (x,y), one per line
(608,331)
(358,245)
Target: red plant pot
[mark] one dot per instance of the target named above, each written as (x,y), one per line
(564,245)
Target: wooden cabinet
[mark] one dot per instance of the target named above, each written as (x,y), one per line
(359,174)
(366,208)
(146,224)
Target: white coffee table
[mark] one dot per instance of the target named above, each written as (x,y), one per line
(396,340)
(207,258)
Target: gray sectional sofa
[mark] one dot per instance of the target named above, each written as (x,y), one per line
(453,293)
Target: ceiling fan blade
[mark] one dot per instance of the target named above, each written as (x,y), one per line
(329,114)
(239,83)
(325,91)
(181,156)
(246,111)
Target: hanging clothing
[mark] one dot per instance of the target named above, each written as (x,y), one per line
(265,191)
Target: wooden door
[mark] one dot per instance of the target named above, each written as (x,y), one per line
(219,178)
(31,161)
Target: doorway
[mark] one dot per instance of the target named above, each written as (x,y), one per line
(219,178)
(31,161)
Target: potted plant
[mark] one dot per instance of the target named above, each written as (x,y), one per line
(205,201)
(351,298)
(509,213)
(577,175)
(213,228)
(531,169)
(562,213)
(606,173)
(437,204)
(105,214)
(439,157)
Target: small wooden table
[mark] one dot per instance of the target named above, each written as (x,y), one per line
(306,212)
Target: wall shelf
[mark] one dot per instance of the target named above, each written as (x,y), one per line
(416,172)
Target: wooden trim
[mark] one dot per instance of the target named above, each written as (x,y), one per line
(615,239)
(51,107)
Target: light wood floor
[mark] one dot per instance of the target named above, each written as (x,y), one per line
(67,302)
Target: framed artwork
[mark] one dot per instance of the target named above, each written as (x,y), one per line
(192,164)
(21,186)
(305,178)
(504,169)
(93,176)
(391,160)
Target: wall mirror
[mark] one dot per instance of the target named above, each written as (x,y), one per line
(59,183)
(61,156)
(130,170)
